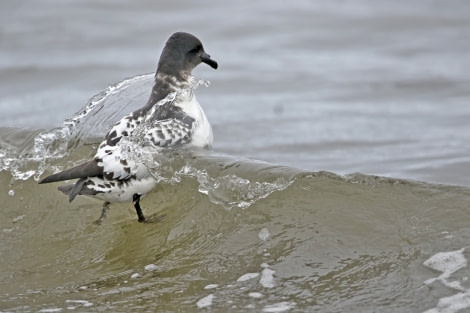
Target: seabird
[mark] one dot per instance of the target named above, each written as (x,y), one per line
(111,177)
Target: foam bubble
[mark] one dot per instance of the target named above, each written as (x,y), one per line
(135,275)
(447,263)
(18,218)
(84,303)
(267,278)
(150,267)
(264,234)
(211,286)
(205,302)
(247,276)
(452,304)
(278,307)
(255,295)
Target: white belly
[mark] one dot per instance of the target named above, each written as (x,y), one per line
(113,191)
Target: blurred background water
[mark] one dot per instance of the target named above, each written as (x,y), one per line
(341,86)
(345,87)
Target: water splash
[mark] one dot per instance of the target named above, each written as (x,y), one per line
(232,191)
(25,159)
(166,165)
(97,102)
(31,158)
(95,119)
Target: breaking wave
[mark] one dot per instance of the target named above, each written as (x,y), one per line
(53,150)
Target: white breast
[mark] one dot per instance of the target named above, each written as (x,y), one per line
(202,131)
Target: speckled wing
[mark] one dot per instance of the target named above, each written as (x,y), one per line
(170,132)
(109,156)
(163,134)
(114,166)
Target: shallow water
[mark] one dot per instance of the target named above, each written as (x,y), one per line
(325,90)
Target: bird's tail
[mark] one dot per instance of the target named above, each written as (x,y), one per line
(66,189)
(73,190)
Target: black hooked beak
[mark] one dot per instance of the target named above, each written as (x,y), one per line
(207,59)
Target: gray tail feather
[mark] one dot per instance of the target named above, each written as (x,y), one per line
(73,190)
(66,189)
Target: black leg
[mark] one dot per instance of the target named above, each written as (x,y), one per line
(103,213)
(136,199)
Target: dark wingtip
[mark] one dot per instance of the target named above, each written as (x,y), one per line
(45,180)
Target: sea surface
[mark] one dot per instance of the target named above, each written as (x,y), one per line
(339,179)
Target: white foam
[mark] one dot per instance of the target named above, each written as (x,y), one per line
(452,304)
(50,310)
(264,234)
(255,295)
(211,286)
(447,263)
(8,230)
(84,303)
(135,275)
(205,302)
(278,307)
(18,218)
(117,291)
(150,267)
(247,276)
(267,278)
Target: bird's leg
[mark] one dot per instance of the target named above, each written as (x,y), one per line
(135,200)
(103,213)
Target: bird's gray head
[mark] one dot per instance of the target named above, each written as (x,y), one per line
(182,53)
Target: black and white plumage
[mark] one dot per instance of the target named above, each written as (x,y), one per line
(113,178)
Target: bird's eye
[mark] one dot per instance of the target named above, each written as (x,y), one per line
(197,49)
